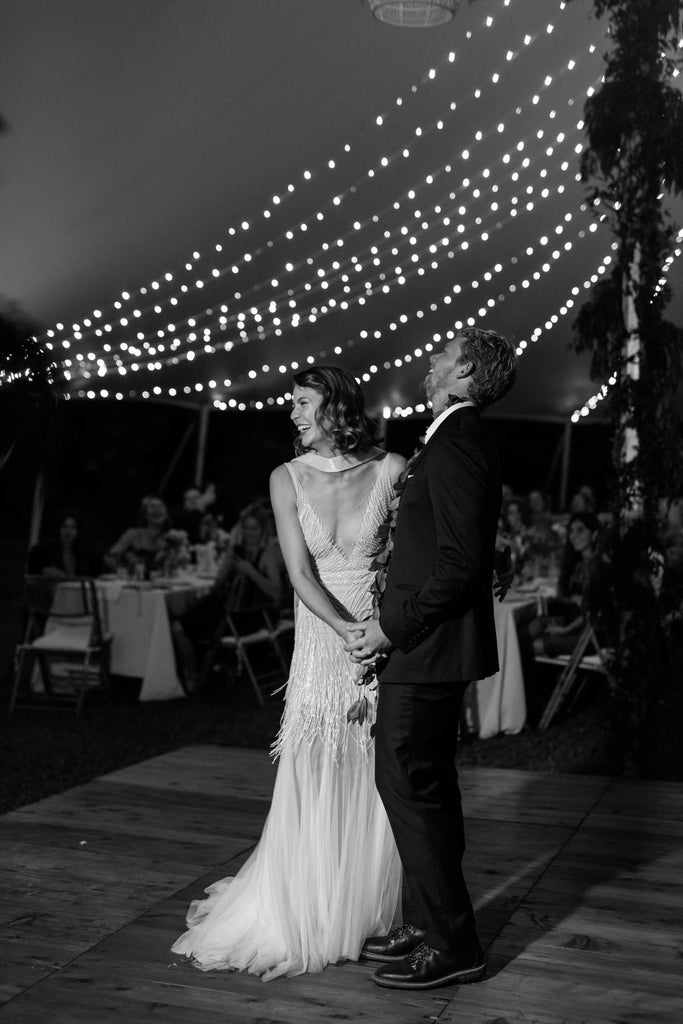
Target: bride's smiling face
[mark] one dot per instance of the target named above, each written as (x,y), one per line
(305,405)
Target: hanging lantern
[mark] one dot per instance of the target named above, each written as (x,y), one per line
(414,13)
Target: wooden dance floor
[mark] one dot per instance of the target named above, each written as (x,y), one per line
(578,885)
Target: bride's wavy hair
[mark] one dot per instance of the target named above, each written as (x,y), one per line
(341,414)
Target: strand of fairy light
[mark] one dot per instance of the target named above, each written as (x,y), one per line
(446,299)
(282,369)
(592,403)
(156,389)
(494,187)
(527,39)
(308,176)
(478,220)
(544,240)
(387,160)
(398,362)
(428,247)
(208,348)
(587,284)
(223,321)
(431,248)
(245,225)
(432,74)
(563,310)
(406,357)
(339,271)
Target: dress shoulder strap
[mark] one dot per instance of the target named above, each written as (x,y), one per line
(295,479)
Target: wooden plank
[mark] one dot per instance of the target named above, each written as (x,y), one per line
(19,838)
(149,812)
(498,794)
(581,909)
(544,999)
(646,808)
(131,980)
(207,770)
(83,864)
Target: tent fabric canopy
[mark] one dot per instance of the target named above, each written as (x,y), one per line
(208,197)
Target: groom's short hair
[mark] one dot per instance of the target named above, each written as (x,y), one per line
(495,365)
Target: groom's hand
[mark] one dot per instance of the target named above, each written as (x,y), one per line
(366,640)
(504,573)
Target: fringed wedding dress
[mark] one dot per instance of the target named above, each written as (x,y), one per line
(325,874)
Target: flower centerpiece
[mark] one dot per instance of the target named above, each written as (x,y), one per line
(175,552)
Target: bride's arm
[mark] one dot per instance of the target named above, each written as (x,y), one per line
(396,466)
(295,552)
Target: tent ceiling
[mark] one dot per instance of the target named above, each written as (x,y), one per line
(141,132)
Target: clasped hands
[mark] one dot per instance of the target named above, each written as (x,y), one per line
(365,641)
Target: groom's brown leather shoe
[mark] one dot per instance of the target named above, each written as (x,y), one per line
(392,947)
(428,968)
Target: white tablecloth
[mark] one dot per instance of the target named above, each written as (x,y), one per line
(138,619)
(498,703)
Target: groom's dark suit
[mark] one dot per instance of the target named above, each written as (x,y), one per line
(437,610)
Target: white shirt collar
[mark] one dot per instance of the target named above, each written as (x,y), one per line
(435,424)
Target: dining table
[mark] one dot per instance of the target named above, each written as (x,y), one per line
(497,704)
(137,614)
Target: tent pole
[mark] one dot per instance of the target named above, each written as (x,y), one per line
(176,458)
(202,436)
(566,458)
(37,509)
(553,464)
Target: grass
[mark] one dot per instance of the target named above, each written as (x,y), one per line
(44,752)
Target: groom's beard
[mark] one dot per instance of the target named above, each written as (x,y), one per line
(427,387)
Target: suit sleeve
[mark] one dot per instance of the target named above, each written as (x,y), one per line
(457,484)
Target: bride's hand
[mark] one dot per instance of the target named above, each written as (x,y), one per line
(369,642)
(350,631)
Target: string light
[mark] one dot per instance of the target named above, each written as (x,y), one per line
(246,256)
(257,311)
(256,317)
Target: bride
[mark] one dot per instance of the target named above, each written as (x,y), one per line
(325,874)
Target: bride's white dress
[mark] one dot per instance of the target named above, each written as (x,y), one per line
(325,874)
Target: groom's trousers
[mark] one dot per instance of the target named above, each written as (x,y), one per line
(415,744)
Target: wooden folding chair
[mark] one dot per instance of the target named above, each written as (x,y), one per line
(585,660)
(65,639)
(230,637)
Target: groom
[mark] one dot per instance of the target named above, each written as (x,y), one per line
(436,626)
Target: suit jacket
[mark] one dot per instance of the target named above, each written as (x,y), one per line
(437,608)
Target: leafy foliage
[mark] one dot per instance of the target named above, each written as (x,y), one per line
(24,359)
(634,161)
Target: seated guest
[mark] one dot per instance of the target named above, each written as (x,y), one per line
(543,536)
(507,493)
(584,500)
(65,554)
(538,505)
(211,530)
(145,542)
(580,569)
(195,506)
(251,557)
(513,532)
